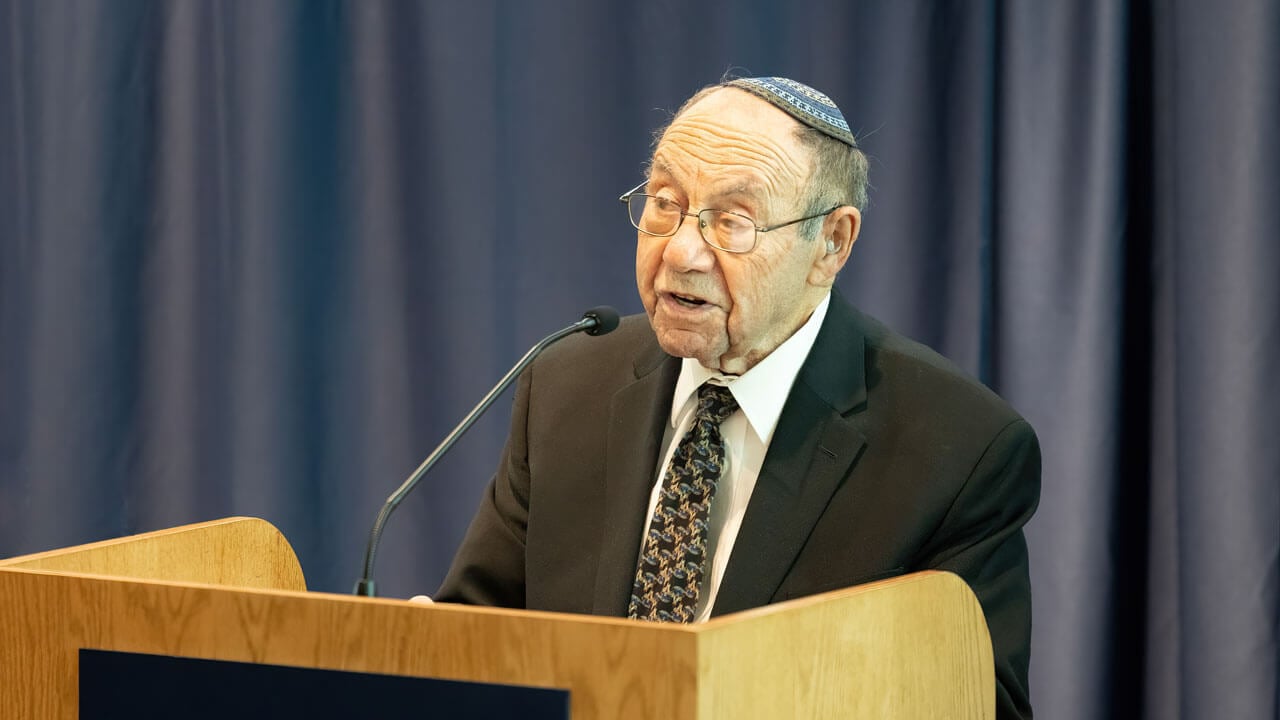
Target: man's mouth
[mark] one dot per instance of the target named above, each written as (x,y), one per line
(687,300)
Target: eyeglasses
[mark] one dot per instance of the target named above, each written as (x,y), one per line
(721,229)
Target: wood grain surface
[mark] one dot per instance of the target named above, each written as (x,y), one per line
(912,647)
(243,552)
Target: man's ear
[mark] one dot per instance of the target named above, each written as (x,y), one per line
(839,232)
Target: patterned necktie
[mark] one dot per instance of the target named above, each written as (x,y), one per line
(669,574)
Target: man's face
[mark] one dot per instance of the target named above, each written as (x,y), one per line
(729,151)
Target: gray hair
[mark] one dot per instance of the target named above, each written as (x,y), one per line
(837,176)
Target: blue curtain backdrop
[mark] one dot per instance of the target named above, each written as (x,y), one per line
(257,258)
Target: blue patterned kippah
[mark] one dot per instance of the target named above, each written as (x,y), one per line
(800,102)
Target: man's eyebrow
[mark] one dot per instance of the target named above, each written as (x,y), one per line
(737,189)
(727,189)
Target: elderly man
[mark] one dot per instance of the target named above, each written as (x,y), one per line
(755,438)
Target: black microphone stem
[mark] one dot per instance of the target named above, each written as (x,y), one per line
(365,585)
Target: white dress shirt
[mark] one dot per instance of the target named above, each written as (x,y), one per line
(761,392)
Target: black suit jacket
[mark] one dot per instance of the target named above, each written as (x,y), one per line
(887,459)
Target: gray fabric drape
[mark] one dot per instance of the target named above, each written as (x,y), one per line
(259,257)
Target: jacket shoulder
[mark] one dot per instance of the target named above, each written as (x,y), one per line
(913,376)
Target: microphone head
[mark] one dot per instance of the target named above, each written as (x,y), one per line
(606,319)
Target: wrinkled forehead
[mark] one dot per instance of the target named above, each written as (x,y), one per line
(730,137)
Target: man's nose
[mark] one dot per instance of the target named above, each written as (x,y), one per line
(686,249)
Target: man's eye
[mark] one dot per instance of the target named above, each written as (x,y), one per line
(666,206)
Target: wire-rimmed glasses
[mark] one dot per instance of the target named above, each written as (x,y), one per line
(722,229)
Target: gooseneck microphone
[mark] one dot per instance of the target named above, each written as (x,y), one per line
(596,321)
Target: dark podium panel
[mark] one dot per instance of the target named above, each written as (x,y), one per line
(136,686)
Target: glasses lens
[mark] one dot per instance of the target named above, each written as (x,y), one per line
(727,231)
(653,215)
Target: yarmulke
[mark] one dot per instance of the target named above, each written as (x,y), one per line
(800,102)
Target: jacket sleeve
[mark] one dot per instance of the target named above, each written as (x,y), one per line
(489,567)
(981,540)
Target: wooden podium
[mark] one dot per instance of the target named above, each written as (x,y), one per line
(911,647)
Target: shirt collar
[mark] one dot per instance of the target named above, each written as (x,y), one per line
(761,391)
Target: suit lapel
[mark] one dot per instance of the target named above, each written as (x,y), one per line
(813,449)
(637,415)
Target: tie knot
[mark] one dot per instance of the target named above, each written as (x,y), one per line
(715,403)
